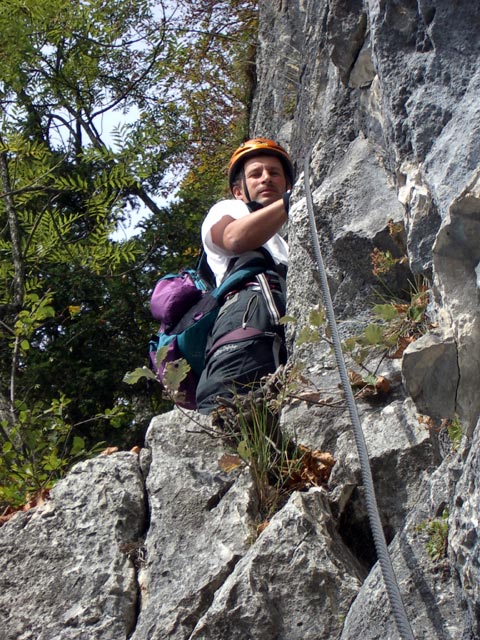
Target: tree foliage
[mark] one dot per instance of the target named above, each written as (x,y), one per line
(105,106)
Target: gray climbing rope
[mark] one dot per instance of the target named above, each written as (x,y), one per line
(391,585)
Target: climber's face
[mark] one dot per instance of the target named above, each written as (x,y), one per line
(264,178)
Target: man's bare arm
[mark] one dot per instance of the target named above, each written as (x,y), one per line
(249,232)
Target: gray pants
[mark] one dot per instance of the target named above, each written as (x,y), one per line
(247,342)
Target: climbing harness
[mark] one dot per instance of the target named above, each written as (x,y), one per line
(393,592)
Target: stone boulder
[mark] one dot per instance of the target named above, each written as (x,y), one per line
(69,566)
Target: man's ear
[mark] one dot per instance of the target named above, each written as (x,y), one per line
(237,192)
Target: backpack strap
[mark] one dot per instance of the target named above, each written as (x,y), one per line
(237,279)
(273,311)
(259,265)
(258,256)
(204,270)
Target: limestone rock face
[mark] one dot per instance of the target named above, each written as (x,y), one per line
(69,566)
(456,257)
(464,541)
(200,525)
(296,580)
(430,370)
(429,587)
(380,100)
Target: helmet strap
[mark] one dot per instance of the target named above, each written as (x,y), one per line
(253,205)
(245,188)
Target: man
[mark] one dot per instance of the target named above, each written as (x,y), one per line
(247,338)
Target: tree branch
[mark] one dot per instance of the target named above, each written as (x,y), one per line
(7,411)
(14,227)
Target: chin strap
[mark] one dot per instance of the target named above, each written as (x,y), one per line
(253,205)
(245,188)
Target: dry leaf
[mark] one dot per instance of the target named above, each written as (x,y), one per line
(355,379)
(308,396)
(382,385)
(427,421)
(314,469)
(136,449)
(7,514)
(401,345)
(262,526)
(228,462)
(402,308)
(108,451)
(36,500)
(324,458)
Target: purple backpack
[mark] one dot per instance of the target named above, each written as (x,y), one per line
(174,302)
(186,305)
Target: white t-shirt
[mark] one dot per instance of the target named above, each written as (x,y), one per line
(219,258)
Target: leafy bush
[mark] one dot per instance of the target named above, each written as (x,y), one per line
(437,533)
(37,450)
(397,324)
(278,465)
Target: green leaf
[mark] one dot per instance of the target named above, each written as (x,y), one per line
(244,451)
(287,319)
(349,344)
(316,317)
(416,313)
(374,334)
(7,446)
(391,339)
(52,462)
(160,356)
(132,377)
(44,312)
(78,445)
(385,311)
(175,372)
(308,336)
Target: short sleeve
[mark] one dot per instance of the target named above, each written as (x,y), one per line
(234,208)
(219,258)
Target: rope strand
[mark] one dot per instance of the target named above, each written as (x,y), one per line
(393,592)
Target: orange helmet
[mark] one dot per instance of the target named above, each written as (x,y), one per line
(258,147)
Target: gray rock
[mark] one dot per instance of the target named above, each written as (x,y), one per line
(430,374)
(363,71)
(353,205)
(422,219)
(385,96)
(347,22)
(296,581)
(464,540)
(69,567)
(400,453)
(429,587)
(201,523)
(456,254)
(414,97)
